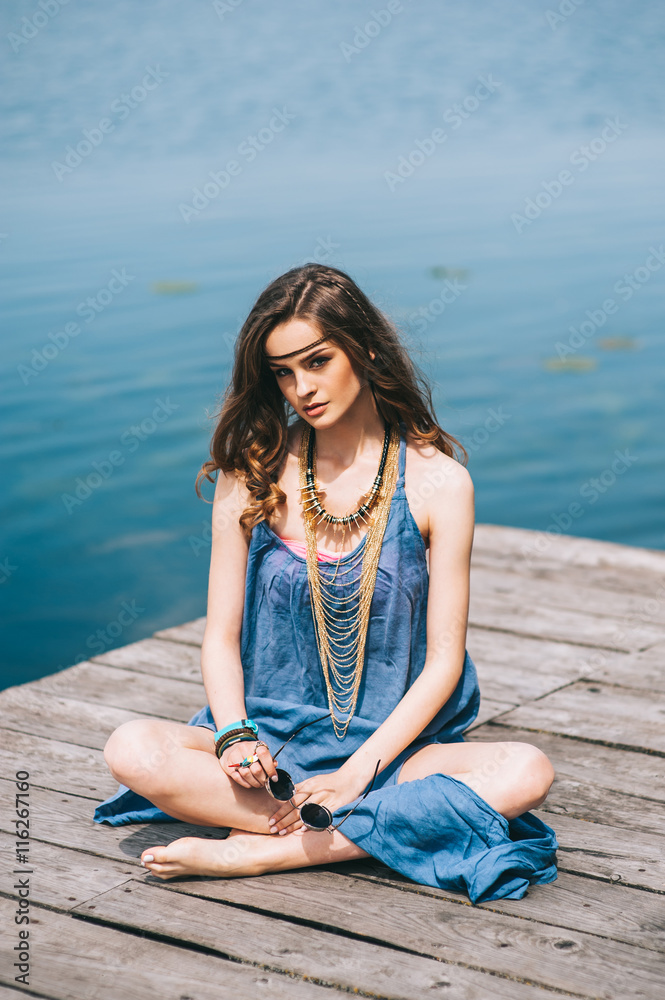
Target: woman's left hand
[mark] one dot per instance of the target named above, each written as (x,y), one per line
(331,790)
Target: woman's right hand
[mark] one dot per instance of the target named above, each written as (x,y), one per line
(253,776)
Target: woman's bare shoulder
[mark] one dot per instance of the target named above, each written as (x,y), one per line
(231,492)
(426,464)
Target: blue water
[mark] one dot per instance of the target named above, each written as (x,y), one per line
(132,556)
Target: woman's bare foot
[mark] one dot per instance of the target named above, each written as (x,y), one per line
(245,853)
(239,854)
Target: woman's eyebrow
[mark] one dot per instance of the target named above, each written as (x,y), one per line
(276,364)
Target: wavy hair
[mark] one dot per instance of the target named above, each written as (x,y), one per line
(251,434)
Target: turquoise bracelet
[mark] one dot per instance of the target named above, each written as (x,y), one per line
(241,724)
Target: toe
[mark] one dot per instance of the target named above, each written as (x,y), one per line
(153,855)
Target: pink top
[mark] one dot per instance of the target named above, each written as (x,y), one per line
(300,549)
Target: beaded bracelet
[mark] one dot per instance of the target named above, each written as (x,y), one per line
(240,731)
(238,736)
(240,724)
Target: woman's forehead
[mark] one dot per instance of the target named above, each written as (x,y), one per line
(291,339)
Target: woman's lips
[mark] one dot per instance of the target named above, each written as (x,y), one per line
(315,410)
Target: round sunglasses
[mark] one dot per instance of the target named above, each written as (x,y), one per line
(313,815)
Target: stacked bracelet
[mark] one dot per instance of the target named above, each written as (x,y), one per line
(235,732)
(241,724)
(234,736)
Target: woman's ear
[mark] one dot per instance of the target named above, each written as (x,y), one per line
(372,355)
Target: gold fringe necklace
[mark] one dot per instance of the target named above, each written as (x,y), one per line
(343,672)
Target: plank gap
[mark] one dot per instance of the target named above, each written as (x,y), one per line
(581,739)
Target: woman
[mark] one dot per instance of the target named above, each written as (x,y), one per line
(326,629)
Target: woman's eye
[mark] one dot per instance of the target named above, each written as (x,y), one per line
(282,372)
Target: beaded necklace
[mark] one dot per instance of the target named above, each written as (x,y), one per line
(339,613)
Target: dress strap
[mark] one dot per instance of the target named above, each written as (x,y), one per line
(402,454)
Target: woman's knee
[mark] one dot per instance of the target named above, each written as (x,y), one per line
(137,749)
(534,775)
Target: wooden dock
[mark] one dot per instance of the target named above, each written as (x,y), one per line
(568,636)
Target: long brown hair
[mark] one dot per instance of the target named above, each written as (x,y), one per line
(252,424)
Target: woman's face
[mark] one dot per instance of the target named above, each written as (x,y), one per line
(317,373)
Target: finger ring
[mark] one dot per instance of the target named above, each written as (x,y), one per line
(260,743)
(246,762)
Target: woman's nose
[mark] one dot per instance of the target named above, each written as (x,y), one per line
(304,384)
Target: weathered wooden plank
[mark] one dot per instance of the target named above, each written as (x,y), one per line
(608,852)
(347,963)
(533,590)
(77,959)
(637,670)
(601,805)
(54,764)
(584,787)
(609,579)
(625,717)
(626,771)
(190,633)
(158,657)
(565,551)
(142,693)
(519,668)
(463,935)
(609,910)
(490,709)
(63,878)
(26,710)
(67,820)
(505,614)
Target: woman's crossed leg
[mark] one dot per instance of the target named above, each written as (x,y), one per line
(175,767)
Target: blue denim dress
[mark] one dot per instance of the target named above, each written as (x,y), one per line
(436,830)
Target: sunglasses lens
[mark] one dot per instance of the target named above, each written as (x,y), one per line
(283,788)
(315,816)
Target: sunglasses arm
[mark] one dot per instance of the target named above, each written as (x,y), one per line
(299,730)
(365,794)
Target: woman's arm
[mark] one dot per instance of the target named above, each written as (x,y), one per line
(221,665)
(451,525)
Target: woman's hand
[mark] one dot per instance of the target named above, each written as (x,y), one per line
(331,790)
(255,775)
